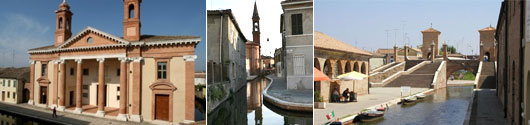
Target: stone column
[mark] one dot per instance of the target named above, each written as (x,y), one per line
(190,87)
(101,88)
(136,88)
(433,52)
(395,53)
(406,52)
(445,51)
(79,87)
(31,81)
(62,79)
(55,83)
(123,90)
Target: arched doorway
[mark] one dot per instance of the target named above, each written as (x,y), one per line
(317,64)
(429,55)
(356,67)
(486,57)
(347,67)
(363,68)
(327,68)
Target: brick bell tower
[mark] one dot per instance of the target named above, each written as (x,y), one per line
(63,23)
(255,24)
(131,20)
(256,35)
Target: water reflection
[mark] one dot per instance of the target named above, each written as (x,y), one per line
(444,106)
(13,119)
(260,112)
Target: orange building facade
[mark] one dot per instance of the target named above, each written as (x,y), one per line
(131,78)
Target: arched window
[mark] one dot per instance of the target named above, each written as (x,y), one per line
(60,23)
(89,40)
(67,24)
(327,68)
(131,11)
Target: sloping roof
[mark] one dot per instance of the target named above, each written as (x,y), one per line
(15,73)
(488,29)
(431,30)
(327,42)
(149,40)
(385,51)
(255,13)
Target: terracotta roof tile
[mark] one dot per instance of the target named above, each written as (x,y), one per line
(152,38)
(488,29)
(431,30)
(17,73)
(327,42)
(44,48)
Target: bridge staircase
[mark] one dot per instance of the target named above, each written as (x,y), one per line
(487,76)
(421,78)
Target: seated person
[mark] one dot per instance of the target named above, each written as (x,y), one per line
(335,97)
(345,94)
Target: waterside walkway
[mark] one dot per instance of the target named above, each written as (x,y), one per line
(277,94)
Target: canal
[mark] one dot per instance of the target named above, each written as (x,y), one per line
(443,106)
(247,106)
(14,119)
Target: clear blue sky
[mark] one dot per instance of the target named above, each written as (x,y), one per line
(26,24)
(362,23)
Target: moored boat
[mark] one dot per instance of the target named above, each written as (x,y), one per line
(371,115)
(420,96)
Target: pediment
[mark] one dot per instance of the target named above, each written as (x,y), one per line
(43,81)
(98,38)
(163,85)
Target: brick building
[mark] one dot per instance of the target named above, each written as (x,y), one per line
(511,89)
(134,77)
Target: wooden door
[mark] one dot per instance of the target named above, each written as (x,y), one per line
(72,98)
(43,91)
(162,107)
(3,96)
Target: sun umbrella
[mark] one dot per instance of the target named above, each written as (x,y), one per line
(318,75)
(352,76)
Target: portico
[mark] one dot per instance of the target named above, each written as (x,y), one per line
(136,78)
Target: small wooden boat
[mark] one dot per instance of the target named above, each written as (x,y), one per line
(420,96)
(371,115)
(410,100)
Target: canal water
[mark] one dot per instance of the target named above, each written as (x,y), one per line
(247,106)
(446,106)
(14,119)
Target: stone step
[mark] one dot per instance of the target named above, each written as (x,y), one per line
(413,80)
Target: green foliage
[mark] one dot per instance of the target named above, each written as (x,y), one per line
(318,98)
(450,50)
(469,76)
(216,93)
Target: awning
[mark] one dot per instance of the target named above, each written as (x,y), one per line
(318,75)
(352,76)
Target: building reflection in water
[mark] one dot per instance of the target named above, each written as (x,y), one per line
(246,106)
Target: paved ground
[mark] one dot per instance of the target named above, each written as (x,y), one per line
(487,110)
(64,117)
(376,96)
(459,82)
(279,90)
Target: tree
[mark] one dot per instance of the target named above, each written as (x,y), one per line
(450,50)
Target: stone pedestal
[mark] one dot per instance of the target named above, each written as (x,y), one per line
(100,113)
(78,110)
(136,118)
(122,117)
(61,108)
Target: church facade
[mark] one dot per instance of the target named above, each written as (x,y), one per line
(132,78)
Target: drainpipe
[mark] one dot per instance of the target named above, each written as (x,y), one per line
(221,46)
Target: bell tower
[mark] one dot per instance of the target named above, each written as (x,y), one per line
(255,25)
(63,23)
(131,20)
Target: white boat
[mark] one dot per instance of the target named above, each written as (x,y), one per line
(420,96)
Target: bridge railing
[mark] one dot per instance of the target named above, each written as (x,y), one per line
(440,72)
(477,76)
